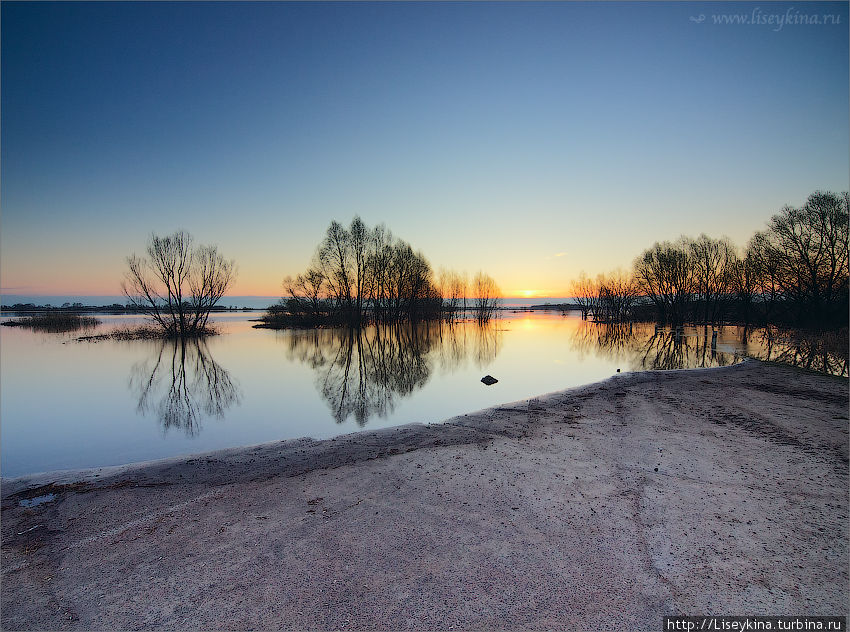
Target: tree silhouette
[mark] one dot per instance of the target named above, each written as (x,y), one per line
(486,297)
(363,275)
(177,284)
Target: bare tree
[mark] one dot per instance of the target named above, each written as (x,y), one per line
(486,297)
(586,294)
(712,261)
(809,246)
(307,289)
(453,292)
(744,274)
(177,284)
(765,264)
(358,238)
(377,264)
(460,291)
(616,294)
(334,258)
(664,274)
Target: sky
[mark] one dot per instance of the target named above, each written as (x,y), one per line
(532,141)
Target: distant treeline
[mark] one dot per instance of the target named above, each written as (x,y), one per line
(79,307)
(795,272)
(361,275)
(65,307)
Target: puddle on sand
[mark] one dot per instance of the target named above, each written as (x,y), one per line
(29,503)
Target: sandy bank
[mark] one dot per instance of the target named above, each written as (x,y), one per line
(609,506)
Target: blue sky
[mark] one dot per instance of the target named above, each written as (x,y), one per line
(531,140)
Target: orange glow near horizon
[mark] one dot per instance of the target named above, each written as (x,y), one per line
(239,289)
(103,276)
(527,293)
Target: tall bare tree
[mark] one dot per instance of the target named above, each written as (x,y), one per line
(616,294)
(665,275)
(712,261)
(334,258)
(377,264)
(486,297)
(585,293)
(453,291)
(765,264)
(178,284)
(745,283)
(358,237)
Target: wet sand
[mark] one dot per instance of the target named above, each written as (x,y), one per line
(609,506)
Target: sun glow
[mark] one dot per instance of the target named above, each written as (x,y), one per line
(527,293)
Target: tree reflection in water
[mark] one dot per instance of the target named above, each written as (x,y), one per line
(363,372)
(181,382)
(643,346)
(679,348)
(825,352)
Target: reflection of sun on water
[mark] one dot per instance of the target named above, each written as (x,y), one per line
(527,324)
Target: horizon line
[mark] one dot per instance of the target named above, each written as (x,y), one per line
(272,296)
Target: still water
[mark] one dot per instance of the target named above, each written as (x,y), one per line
(68,404)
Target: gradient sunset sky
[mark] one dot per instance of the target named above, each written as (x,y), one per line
(530,140)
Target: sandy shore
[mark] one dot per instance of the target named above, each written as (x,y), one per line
(718,491)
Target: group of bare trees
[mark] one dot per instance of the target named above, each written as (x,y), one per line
(793,272)
(481,298)
(361,274)
(358,275)
(689,280)
(454,288)
(802,263)
(608,298)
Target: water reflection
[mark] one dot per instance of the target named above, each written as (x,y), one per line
(643,346)
(666,349)
(825,352)
(363,373)
(436,367)
(181,382)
